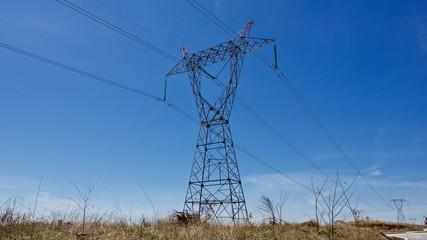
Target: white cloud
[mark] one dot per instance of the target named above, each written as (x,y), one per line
(412,184)
(422,36)
(416,26)
(378,142)
(17,182)
(376,173)
(278,182)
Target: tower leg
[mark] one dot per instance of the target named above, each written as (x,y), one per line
(215,188)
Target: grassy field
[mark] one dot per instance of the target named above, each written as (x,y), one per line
(19,228)
(15,224)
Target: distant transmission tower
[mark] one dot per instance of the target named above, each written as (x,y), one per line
(398,203)
(215,190)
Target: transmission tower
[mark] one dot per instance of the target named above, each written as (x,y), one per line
(215,190)
(398,203)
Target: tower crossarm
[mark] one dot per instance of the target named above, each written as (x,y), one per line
(216,54)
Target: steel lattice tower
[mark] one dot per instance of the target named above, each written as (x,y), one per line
(215,190)
(398,203)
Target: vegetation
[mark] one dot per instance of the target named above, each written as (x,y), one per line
(19,222)
(20,226)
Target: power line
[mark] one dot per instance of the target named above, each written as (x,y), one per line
(262,58)
(101,79)
(130,89)
(136,24)
(273,168)
(150,96)
(195,7)
(325,131)
(98,78)
(372,206)
(283,138)
(116,29)
(277,133)
(302,102)
(158,50)
(250,110)
(245,106)
(229,31)
(265,60)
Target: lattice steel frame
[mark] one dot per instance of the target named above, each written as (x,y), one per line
(398,203)
(215,189)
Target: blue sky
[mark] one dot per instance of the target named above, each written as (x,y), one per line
(360,65)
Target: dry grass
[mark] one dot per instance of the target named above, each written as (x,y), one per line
(19,227)
(388,226)
(173,231)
